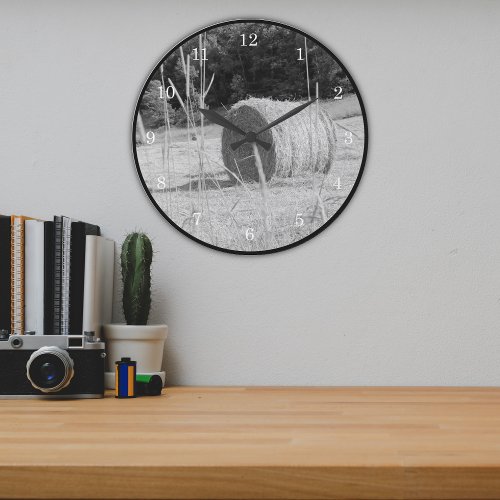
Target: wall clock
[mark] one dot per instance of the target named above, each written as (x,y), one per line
(250,136)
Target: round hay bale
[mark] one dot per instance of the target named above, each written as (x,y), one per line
(300,144)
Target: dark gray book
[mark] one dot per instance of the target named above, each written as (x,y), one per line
(5,277)
(79,232)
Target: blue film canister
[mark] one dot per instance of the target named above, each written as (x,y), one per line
(125,371)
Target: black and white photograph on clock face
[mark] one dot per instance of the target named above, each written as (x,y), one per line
(250,137)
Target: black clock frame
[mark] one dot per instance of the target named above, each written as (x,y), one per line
(331,219)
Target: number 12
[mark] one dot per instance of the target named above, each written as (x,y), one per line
(253,40)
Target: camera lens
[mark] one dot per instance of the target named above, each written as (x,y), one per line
(50,369)
(48,372)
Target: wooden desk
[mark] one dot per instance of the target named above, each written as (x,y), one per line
(251,443)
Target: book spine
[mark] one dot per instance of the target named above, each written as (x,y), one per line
(65,275)
(5,272)
(17,296)
(48,296)
(79,231)
(57,274)
(34,276)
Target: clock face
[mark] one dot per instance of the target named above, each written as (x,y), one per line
(250,137)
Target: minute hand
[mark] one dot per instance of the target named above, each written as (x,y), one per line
(294,111)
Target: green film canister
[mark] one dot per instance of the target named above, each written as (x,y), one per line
(148,385)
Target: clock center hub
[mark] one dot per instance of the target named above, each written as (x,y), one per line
(251,137)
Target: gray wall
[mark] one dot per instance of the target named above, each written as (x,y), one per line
(404,288)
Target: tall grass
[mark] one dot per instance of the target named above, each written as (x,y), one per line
(207,206)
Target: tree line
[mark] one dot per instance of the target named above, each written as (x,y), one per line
(249,59)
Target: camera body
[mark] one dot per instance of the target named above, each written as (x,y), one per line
(51,366)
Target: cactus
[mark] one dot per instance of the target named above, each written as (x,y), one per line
(136,258)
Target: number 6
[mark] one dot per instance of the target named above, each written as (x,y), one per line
(249,234)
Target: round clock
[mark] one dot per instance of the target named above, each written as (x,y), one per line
(250,136)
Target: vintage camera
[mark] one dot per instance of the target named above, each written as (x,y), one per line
(51,366)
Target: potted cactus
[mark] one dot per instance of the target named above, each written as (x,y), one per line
(137,340)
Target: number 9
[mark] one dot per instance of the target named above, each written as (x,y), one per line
(150,137)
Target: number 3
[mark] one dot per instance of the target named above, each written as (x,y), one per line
(348,138)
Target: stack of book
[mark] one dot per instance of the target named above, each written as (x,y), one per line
(56,277)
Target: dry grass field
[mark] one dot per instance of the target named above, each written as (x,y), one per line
(186,176)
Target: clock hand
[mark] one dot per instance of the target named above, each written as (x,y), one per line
(220,120)
(294,111)
(298,109)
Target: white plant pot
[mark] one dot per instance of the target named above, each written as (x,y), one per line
(142,343)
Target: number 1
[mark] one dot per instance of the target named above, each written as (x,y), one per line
(300,58)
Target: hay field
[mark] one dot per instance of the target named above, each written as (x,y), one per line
(186,176)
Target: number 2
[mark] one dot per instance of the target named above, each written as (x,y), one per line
(338,95)
(253,40)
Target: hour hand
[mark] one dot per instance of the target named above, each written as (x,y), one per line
(220,120)
(237,144)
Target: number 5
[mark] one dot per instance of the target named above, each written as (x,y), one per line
(299,221)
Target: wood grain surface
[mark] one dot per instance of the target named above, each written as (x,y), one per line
(256,443)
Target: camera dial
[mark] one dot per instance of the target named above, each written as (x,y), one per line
(50,369)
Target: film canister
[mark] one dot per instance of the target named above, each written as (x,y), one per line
(125,371)
(148,385)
